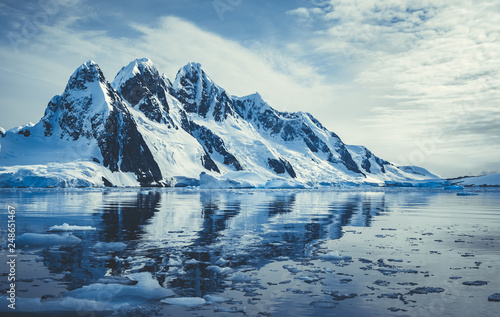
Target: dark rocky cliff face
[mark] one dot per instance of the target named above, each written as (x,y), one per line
(146,90)
(90,108)
(200,95)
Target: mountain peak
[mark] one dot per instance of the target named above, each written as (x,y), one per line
(87,73)
(199,93)
(192,66)
(140,66)
(191,71)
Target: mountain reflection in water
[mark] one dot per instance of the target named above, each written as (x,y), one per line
(163,230)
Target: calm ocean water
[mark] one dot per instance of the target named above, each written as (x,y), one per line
(393,252)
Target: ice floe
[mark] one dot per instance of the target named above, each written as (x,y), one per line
(40,239)
(184,301)
(334,256)
(119,294)
(66,227)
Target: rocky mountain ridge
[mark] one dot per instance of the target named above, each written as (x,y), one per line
(144,130)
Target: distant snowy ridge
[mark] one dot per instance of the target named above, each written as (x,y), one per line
(491,180)
(144,130)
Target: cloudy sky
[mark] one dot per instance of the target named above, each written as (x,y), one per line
(416,81)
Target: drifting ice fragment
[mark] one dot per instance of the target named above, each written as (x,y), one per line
(66,227)
(184,301)
(38,239)
(494,297)
(334,256)
(216,299)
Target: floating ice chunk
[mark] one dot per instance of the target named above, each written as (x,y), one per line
(475,283)
(66,227)
(217,299)
(467,194)
(388,270)
(192,261)
(494,297)
(118,294)
(389,295)
(174,262)
(334,256)
(308,278)
(396,309)
(241,278)
(221,262)
(39,239)
(67,304)
(426,290)
(184,301)
(110,246)
(291,268)
(219,270)
(336,295)
(381,283)
(116,280)
(297,291)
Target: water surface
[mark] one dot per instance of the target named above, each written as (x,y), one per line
(280,253)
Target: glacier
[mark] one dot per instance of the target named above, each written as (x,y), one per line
(142,129)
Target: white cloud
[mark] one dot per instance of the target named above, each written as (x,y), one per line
(300,12)
(432,69)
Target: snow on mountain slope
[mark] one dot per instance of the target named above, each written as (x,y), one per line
(159,117)
(143,130)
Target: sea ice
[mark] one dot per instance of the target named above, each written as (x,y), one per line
(221,262)
(241,278)
(219,270)
(494,297)
(118,294)
(475,283)
(426,290)
(66,227)
(66,304)
(467,194)
(292,268)
(39,239)
(216,299)
(334,256)
(184,301)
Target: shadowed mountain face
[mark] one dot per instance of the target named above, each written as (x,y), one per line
(142,129)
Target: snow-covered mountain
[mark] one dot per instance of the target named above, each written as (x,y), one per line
(490,180)
(142,129)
